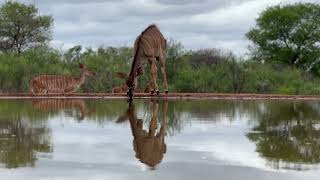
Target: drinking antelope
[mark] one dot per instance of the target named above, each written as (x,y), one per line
(124,88)
(59,83)
(150,46)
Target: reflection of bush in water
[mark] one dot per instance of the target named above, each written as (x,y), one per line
(107,110)
(286,136)
(174,122)
(213,110)
(13,109)
(20,140)
(180,113)
(286,131)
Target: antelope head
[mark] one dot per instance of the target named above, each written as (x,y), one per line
(130,82)
(132,79)
(131,85)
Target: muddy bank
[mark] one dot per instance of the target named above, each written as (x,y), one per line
(164,96)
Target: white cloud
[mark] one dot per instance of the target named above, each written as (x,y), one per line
(196,23)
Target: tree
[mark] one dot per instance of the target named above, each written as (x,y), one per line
(289,34)
(73,54)
(174,52)
(208,57)
(21,27)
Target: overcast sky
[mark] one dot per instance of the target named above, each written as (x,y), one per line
(194,23)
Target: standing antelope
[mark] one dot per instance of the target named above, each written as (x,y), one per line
(59,83)
(150,46)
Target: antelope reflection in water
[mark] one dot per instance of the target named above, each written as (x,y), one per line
(149,145)
(50,105)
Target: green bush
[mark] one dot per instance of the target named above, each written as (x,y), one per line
(230,75)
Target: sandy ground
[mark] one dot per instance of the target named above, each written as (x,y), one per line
(162,96)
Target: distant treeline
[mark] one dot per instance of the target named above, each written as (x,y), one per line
(284,57)
(204,70)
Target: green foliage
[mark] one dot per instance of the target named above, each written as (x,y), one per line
(16,71)
(286,42)
(204,79)
(267,78)
(288,34)
(174,53)
(105,62)
(21,27)
(230,75)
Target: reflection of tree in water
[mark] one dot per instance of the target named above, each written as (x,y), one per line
(21,140)
(181,113)
(286,134)
(149,145)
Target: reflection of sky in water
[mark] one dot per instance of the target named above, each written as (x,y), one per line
(203,150)
(223,143)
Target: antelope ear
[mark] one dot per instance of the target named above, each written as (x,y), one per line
(80,65)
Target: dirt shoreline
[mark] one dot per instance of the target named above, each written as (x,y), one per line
(162,96)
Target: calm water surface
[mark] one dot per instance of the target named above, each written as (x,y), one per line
(110,139)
